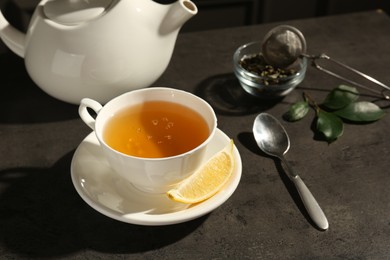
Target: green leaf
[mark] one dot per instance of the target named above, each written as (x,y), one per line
(362,111)
(297,111)
(330,125)
(340,97)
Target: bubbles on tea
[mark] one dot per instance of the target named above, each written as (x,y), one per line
(135,145)
(169,125)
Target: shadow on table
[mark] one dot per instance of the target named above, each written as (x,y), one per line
(22,101)
(248,141)
(227,97)
(41,215)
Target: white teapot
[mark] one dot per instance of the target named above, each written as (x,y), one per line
(97,48)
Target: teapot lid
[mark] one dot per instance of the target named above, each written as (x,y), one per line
(70,12)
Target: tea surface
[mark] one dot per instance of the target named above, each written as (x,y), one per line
(155,129)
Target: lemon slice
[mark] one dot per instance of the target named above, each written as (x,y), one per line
(207,180)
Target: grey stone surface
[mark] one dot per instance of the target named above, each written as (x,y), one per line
(41,214)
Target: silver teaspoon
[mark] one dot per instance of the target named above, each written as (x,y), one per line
(272,139)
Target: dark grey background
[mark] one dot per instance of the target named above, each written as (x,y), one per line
(226,13)
(215,14)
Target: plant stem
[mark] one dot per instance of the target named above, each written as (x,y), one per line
(311,102)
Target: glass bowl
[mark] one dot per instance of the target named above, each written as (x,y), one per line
(271,85)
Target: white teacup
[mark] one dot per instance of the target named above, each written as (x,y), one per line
(156,175)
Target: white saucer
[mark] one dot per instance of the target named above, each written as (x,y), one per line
(109,194)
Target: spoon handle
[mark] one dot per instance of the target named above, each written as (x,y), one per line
(308,199)
(311,204)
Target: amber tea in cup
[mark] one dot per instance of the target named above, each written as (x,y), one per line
(155,129)
(154,137)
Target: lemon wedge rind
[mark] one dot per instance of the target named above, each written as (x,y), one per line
(207,180)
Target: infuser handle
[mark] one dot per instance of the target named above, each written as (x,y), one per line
(314,59)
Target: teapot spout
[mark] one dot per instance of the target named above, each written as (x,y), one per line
(178,13)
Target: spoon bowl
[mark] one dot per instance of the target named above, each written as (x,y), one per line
(272,139)
(274,143)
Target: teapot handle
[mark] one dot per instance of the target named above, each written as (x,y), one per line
(84,113)
(12,37)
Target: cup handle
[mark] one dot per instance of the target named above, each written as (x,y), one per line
(84,113)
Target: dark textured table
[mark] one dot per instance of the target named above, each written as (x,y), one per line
(41,214)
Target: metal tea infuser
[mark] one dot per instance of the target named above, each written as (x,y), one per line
(284,44)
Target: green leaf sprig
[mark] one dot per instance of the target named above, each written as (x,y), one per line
(340,105)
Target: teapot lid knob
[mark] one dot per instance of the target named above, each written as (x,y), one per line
(71,12)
